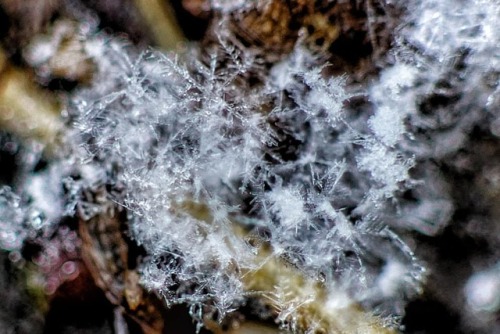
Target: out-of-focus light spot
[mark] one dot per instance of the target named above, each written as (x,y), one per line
(483,291)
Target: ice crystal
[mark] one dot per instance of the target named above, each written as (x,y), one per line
(217,153)
(19,220)
(207,142)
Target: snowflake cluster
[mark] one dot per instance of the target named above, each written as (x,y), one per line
(210,143)
(222,154)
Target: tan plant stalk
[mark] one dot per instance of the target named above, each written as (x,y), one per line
(295,299)
(160,19)
(25,109)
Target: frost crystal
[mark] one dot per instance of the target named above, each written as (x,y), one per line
(219,156)
(207,144)
(13,232)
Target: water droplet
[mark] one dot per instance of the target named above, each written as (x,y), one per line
(68,268)
(51,285)
(15,256)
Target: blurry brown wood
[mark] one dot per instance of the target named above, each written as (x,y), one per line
(64,54)
(351,35)
(26,18)
(106,254)
(247,327)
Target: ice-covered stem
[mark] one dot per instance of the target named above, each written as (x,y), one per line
(25,109)
(305,305)
(300,303)
(247,327)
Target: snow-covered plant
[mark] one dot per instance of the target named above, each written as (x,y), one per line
(229,165)
(207,145)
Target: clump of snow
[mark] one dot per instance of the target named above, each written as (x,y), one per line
(210,142)
(19,220)
(12,229)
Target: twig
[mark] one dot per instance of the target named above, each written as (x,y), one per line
(161,21)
